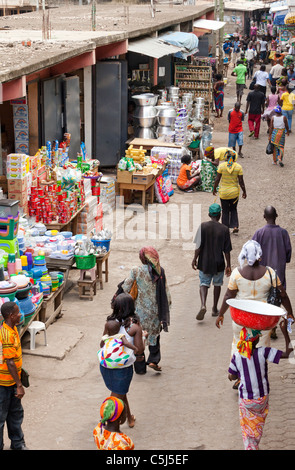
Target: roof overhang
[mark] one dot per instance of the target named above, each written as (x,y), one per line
(152,47)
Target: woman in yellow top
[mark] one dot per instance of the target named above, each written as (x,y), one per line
(286,102)
(229,178)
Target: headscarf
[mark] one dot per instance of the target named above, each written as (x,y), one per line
(245,344)
(111,409)
(149,255)
(251,252)
(230,156)
(208,150)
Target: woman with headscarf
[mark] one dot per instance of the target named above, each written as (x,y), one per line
(107,434)
(252,281)
(230,179)
(118,379)
(151,304)
(277,132)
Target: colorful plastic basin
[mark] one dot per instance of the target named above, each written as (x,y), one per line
(254,314)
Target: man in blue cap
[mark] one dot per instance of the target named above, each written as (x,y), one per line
(212,258)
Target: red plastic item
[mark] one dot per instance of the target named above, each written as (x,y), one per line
(254,314)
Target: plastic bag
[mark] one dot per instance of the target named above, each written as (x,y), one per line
(270,148)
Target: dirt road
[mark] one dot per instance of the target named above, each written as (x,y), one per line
(191,404)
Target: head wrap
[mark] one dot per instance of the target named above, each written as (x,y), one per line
(149,255)
(111,409)
(230,156)
(208,150)
(245,344)
(251,252)
(214,210)
(278,109)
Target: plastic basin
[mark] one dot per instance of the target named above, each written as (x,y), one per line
(254,314)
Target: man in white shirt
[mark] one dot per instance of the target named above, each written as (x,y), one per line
(276,72)
(263,49)
(262,79)
(250,55)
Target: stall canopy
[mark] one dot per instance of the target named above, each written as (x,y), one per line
(188,42)
(209,25)
(153,47)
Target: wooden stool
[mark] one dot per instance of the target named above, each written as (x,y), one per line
(100,272)
(87,288)
(85,272)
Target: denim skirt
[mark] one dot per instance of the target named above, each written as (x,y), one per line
(117,380)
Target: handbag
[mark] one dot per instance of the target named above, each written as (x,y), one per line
(274,296)
(269,148)
(133,291)
(25,378)
(251,86)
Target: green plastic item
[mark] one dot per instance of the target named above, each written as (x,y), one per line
(85,262)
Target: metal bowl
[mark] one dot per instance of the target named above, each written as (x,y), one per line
(144,133)
(145,99)
(145,121)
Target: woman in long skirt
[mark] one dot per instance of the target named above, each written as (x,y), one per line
(218,93)
(277,133)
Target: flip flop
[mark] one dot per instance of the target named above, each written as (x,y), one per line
(155,367)
(201,313)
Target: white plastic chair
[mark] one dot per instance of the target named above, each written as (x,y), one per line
(34,328)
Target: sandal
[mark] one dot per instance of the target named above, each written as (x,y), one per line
(235,230)
(155,367)
(201,313)
(236,384)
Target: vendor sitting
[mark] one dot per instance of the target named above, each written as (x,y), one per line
(217,155)
(187,179)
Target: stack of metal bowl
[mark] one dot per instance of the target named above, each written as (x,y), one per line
(145,115)
(173,95)
(199,109)
(166,119)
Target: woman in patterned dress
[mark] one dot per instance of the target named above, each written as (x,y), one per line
(151,305)
(218,93)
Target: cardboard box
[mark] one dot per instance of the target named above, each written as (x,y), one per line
(140,178)
(124,176)
(17,185)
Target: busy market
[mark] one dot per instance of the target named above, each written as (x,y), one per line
(144,156)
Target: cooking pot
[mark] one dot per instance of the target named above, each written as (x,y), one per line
(166,115)
(254,314)
(145,116)
(144,133)
(145,99)
(164,130)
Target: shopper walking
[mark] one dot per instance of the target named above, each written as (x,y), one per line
(235,129)
(262,78)
(11,388)
(286,102)
(275,244)
(240,72)
(212,258)
(255,106)
(230,179)
(278,129)
(152,304)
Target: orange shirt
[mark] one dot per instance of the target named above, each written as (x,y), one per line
(10,348)
(182,177)
(106,440)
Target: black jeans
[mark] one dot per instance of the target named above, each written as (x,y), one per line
(11,412)
(154,357)
(229,212)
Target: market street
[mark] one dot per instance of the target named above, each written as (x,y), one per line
(190,404)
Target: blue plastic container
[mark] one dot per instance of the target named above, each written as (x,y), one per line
(102,243)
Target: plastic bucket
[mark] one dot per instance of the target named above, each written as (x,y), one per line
(102,243)
(85,262)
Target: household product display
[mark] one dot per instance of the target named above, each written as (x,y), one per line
(198,81)
(145,113)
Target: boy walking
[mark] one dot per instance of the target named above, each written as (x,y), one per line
(235,129)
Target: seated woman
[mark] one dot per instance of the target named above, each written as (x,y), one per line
(187,179)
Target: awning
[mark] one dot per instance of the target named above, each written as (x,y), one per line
(187,43)
(153,47)
(209,25)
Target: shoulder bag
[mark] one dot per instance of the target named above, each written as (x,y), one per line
(274,296)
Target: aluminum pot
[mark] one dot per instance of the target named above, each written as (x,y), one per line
(164,130)
(166,115)
(145,99)
(144,133)
(145,116)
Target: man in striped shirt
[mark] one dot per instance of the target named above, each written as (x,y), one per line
(11,388)
(249,364)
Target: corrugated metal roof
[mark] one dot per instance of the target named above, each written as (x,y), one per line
(152,47)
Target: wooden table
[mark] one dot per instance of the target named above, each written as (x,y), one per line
(144,188)
(148,144)
(99,272)
(63,265)
(51,306)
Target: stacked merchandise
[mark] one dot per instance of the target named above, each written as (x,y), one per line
(173,157)
(90,218)
(107,194)
(18,166)
(181,123)
(52,203)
